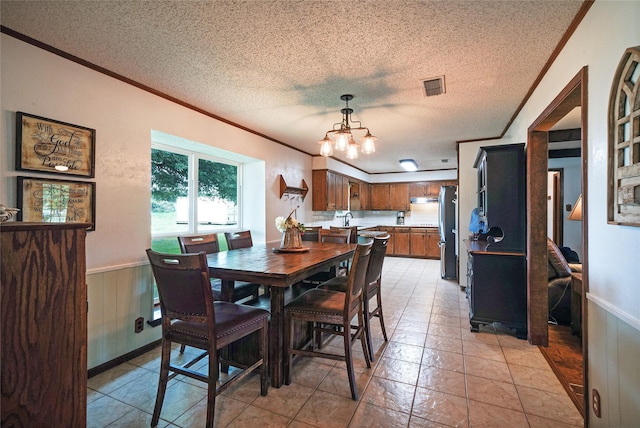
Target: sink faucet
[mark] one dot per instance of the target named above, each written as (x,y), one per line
(346,219)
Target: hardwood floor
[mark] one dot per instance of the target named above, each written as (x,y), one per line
(564,355)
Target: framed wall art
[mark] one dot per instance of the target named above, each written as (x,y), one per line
(56,201)
(624,142)
(47,145)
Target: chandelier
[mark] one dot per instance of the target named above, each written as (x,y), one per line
(344,138)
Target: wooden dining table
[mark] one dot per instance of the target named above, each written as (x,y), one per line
(265,264)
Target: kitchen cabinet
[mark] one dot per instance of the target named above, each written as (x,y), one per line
(379,197)
(330,191)
(432,250)
(44,324)
(358,195)
(364,195)
(399,196)
(402,244)
(418,189)
(418,242)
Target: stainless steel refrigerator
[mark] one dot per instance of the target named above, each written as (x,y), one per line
(447,224)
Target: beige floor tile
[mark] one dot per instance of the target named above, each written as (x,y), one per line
(136,418)
(416,422)
(483,350)
(310,371)
(257,417)
(525,358)
(139,391)
(445,320)
(490,369)
(178,398)
(370,416)
(502,394)
(408,337)
(450,331)
(442,380)
(443,343)
(94,395)
(227,409)
(510,341)
(246,390)
(116,377)
(558,407)
(325,410)
(286,400)
(536,378)
(443,359)
(403,352)
(483,415)
(337,382)
(441,408)
(412,325)
(540,422)
(400,371)
(106,410)
(485,335)
(389,394)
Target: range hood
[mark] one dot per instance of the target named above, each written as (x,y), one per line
(423,200)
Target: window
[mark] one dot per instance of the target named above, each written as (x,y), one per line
(191,192)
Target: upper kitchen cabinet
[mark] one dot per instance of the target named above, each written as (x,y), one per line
(418,189)
(330,191)
(399,196)
(358,195)
(394,196)
(379,196)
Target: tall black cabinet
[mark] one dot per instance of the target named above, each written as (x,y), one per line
(496,271)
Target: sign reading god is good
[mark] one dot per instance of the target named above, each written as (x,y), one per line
(48,145)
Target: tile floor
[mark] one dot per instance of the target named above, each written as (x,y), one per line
(433,372)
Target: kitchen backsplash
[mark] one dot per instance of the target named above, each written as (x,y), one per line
(420,214)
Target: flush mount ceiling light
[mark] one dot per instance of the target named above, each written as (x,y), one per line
(409,164)
(343,138)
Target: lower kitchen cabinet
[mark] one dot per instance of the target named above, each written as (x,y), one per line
(418,242)
(432,249)
(402,245)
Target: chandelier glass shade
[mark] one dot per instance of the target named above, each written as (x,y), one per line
(344,138)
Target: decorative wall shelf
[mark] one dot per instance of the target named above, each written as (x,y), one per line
(290,190)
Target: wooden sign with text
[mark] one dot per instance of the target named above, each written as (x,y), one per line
(48,145)
(56,201)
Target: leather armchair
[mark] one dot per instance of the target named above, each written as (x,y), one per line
(559,286)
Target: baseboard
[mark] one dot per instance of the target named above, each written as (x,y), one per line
(122,359)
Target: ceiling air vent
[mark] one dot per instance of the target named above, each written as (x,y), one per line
(433,86)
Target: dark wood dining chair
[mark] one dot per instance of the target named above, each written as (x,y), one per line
(372,287)
(331,312)
(353,237)
(191,317)
(333,236)
(240,239)
(311,233)
(339,236)
(209,244)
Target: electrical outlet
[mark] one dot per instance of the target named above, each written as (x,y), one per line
(595,402)
(139,325)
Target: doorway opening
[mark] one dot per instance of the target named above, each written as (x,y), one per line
(574,95)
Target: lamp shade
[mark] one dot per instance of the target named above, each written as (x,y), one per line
(576,212)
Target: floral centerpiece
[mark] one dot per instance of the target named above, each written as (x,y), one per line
(291,230)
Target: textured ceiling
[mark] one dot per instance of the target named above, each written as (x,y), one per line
(279,67)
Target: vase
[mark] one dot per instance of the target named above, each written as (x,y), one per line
(291,238)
